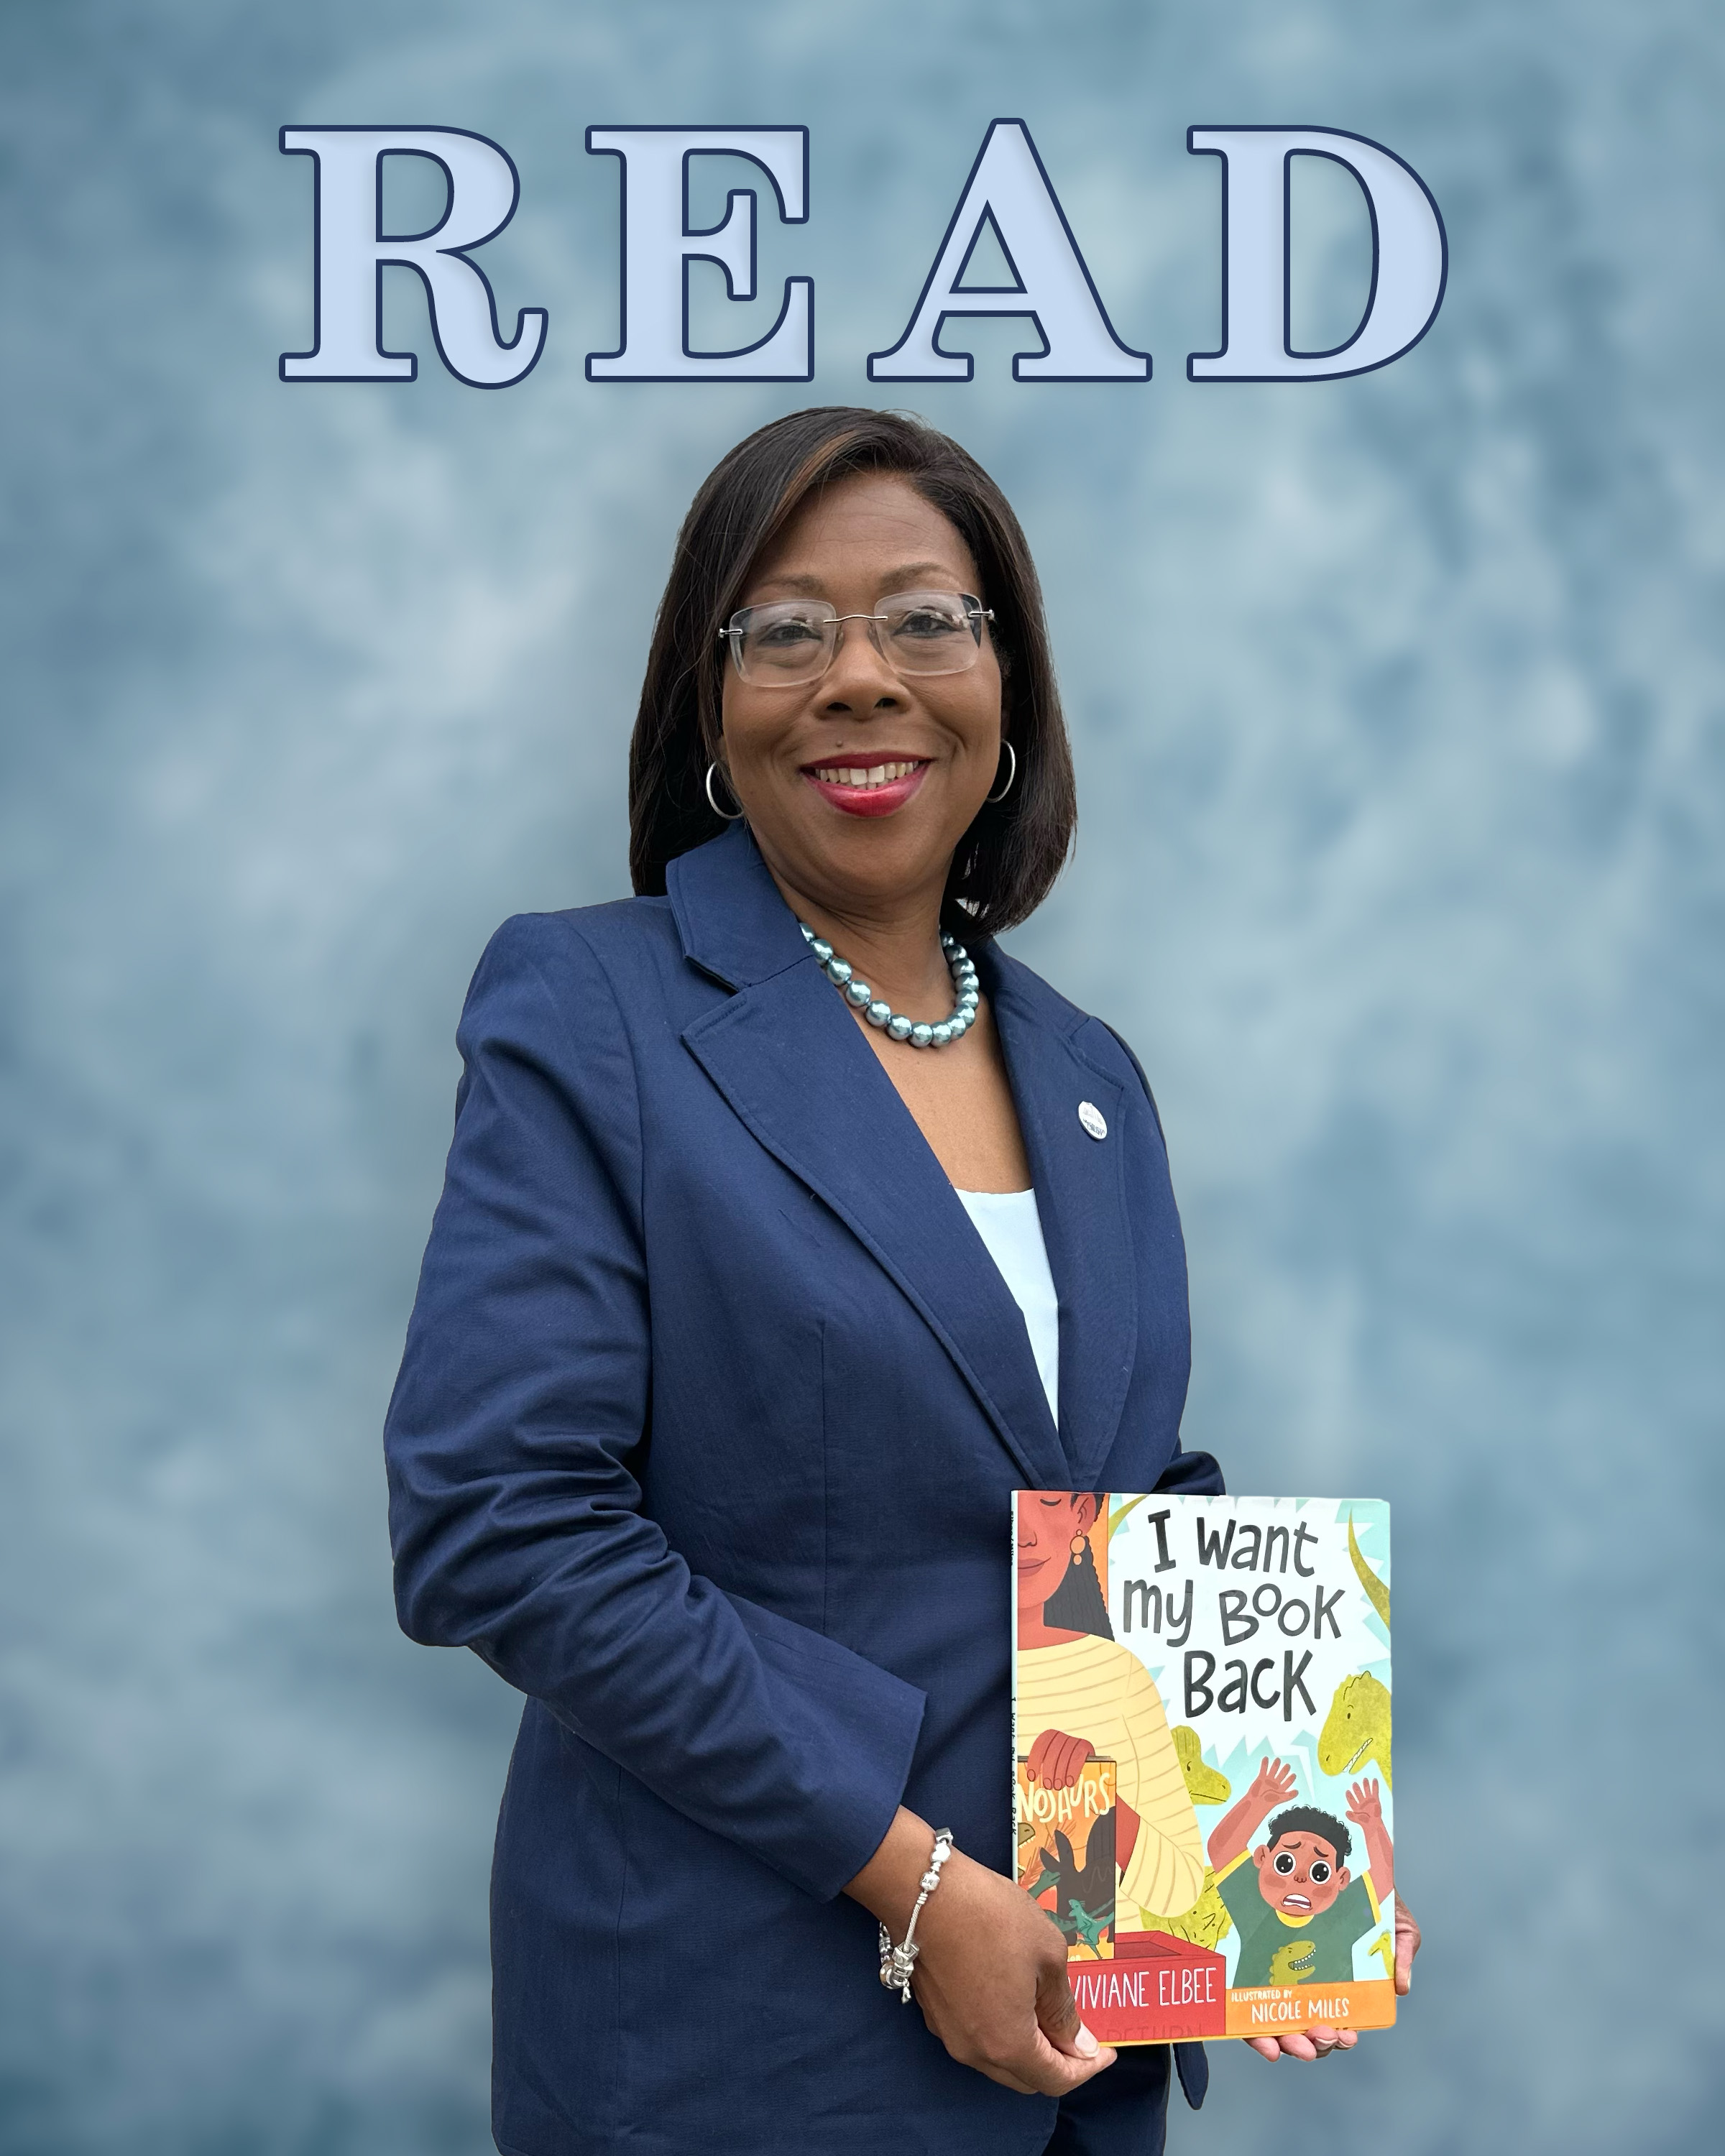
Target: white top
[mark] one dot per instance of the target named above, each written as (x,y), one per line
(1009,1223)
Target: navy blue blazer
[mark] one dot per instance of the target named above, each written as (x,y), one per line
(711,1411)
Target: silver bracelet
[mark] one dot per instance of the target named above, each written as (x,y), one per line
(896,1963)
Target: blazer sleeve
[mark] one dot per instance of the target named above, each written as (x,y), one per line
(1188,1474)
(515,1517)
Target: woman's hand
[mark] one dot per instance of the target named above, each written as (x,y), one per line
(1305,2044)
(1407,1945)
(1319,2043)
(990,1977)
(1055,1759)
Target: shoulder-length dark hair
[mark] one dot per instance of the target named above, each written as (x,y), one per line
(1005,863)
(1078,1603)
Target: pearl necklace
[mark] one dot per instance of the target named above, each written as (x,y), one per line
(861,996)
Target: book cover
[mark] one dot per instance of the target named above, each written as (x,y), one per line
(1201,1723)
(1066,1858)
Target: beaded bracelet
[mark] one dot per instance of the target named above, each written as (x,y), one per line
(896,1963)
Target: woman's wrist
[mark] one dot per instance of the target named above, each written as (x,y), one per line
(888,1883)
(898,1956)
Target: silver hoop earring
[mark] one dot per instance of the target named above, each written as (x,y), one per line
(1011,774)
(734,814)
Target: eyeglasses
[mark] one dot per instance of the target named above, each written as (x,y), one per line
(792,642)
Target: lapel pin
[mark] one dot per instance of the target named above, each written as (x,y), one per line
(1092,1118)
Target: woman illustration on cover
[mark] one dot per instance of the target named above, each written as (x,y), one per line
(1082,1696)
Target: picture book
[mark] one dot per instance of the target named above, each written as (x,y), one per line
(1201,1794)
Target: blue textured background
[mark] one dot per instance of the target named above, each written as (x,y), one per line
(1398,712)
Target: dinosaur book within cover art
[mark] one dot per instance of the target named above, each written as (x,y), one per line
(1201,1697)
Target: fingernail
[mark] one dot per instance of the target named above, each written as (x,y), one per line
(1086,2043)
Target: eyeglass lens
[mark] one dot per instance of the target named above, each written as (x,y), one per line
(793,640)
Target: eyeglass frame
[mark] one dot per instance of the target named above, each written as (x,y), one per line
(975,614)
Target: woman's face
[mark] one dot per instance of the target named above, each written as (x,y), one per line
(794,753)
(1048,1522)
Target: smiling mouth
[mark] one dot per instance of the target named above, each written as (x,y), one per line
(863,778)
(868,789)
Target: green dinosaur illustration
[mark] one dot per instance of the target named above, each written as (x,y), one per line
(1384,1946)
(1377,1593)
(1089,1929)
(1204,1785)
(1206,1923)
(1049,1876)
(1294,1962)
(1357,1728)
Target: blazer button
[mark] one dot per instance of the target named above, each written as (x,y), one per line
(1092,1118)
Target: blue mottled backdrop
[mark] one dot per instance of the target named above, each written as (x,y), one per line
(1398,708)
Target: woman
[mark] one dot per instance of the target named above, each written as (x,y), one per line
(715,1390)
(1071,1671)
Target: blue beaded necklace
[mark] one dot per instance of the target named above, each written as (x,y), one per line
(861,996)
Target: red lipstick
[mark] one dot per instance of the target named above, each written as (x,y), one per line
(880,800)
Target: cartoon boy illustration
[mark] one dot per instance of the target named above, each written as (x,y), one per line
(1298,1910)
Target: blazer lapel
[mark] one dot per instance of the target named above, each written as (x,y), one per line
(787,1054)
(1080,1199)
